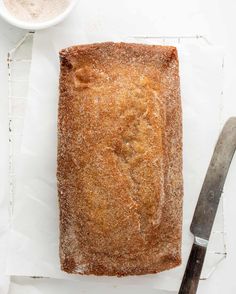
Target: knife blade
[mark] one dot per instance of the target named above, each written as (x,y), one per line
(207,204)
(209,197)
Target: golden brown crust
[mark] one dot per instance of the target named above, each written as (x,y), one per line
(119,159)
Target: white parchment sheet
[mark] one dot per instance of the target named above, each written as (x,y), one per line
(33,238)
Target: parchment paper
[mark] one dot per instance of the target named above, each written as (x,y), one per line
(33,247)
(4,284)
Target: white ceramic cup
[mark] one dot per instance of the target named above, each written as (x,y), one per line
(5,14)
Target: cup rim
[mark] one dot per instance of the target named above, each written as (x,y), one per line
(7,16)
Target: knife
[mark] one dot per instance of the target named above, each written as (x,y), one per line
(207,205)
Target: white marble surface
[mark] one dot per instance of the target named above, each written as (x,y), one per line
(213,18)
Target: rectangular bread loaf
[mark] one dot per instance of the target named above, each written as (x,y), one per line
(119,159)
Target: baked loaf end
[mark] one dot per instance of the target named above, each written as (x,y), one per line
(119,159)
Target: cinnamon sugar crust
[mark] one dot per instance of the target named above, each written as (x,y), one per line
(119,159)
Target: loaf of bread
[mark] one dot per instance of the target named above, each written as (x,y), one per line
(119,159)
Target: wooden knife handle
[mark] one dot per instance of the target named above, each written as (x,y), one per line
(193,270)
